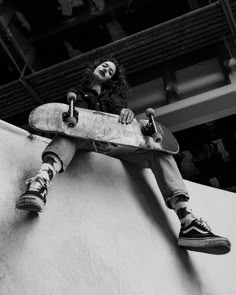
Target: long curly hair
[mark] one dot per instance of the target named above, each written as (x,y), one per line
(117,84)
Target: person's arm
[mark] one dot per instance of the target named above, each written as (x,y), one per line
(119,107)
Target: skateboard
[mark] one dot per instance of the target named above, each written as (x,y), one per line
(102,127)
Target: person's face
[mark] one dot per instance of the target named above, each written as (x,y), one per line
(105,71)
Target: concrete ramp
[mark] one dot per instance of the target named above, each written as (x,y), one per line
(105,230)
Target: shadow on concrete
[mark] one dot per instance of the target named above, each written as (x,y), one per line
(154,211)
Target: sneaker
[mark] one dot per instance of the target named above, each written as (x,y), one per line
(34,197)
(197,236)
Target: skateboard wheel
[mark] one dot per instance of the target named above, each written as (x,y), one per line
(71,122)
(157,137)
(71,96)
(149,112)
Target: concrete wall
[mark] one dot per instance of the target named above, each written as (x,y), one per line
(105,230)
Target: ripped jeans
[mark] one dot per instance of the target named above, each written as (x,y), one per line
(163,166)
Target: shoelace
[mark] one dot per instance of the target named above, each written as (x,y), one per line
(203,223)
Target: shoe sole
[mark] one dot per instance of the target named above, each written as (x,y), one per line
(30,203)
(211,246)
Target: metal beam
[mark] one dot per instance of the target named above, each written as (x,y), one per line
(83,18)
(229,15)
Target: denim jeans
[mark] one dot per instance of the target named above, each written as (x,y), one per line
(163,166)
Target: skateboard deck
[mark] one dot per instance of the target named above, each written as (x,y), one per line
(101,127)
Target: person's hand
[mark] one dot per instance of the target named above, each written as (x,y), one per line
(126,116)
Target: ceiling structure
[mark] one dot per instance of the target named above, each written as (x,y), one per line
(45,45)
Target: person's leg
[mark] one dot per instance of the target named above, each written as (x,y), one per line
(163,166)
(55,159)
(194,234)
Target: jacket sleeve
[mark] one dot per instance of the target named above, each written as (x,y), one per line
(117,103)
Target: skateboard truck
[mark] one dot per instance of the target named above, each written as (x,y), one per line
(150,128)
(71,117)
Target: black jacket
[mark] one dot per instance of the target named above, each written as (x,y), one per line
(107,101)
